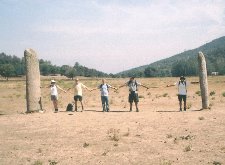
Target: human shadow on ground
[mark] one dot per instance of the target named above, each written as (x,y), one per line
(196,110)
(90,110)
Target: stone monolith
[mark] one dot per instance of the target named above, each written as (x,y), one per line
(33,91)
(203,80)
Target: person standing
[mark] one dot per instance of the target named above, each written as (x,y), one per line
(78,93)
(133,92)
(54,94)
(104,88)
(182,85)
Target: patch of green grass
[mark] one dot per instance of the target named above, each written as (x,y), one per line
(37,162)
(165,162)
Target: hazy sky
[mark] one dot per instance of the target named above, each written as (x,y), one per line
(108,35)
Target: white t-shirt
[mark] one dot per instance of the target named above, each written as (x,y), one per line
(104,89)
(78,89)
(182,87)
(54,90)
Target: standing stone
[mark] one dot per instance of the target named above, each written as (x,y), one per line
(33,91)
(203,80)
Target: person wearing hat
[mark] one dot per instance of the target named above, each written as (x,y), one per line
(182,91)
(133,92)
(78,93)
(54,94)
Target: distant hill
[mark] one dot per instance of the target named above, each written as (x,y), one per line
(214,52)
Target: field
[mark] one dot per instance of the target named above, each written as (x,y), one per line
(159,134)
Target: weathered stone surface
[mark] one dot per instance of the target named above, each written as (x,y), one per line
(203,80)
(33,91)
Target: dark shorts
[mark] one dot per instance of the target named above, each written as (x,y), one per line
(78,98)
(133,97)
(54,97)
(182,97)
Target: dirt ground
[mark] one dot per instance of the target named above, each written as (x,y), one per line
(159,134)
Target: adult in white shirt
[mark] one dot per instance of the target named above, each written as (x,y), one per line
(78,93)
(54,94)
(104,88)
(182,91)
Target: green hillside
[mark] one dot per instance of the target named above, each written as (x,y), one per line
(215,56)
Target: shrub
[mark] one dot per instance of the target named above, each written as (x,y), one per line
(187,148)
(198,93)
(223,94)
(201,118)
(212,93)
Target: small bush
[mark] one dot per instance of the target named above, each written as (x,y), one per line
(169,136)
(198,93)
(201,118)
(52,162)
(85,145)
(141,96)
(216,163)
(223,94)
(114,134)
(189,105)
(212,93)
(187,148)
(165,94)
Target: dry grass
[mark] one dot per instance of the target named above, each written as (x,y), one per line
(158,134)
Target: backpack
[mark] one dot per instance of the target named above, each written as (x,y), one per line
(69,107)
(106,85)
(184,83)
(135,82)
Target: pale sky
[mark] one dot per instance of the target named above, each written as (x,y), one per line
(108,35)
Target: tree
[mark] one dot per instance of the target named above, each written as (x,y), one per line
(150,72)
(7,70)
(71,73)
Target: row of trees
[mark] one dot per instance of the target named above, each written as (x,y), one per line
(13,66)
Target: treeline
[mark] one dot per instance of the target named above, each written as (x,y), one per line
(11,66)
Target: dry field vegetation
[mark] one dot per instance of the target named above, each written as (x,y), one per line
(159,134)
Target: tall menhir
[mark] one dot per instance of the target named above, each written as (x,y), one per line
(203,80)
(33,91)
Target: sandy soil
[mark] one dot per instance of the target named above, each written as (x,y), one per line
(158,134)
